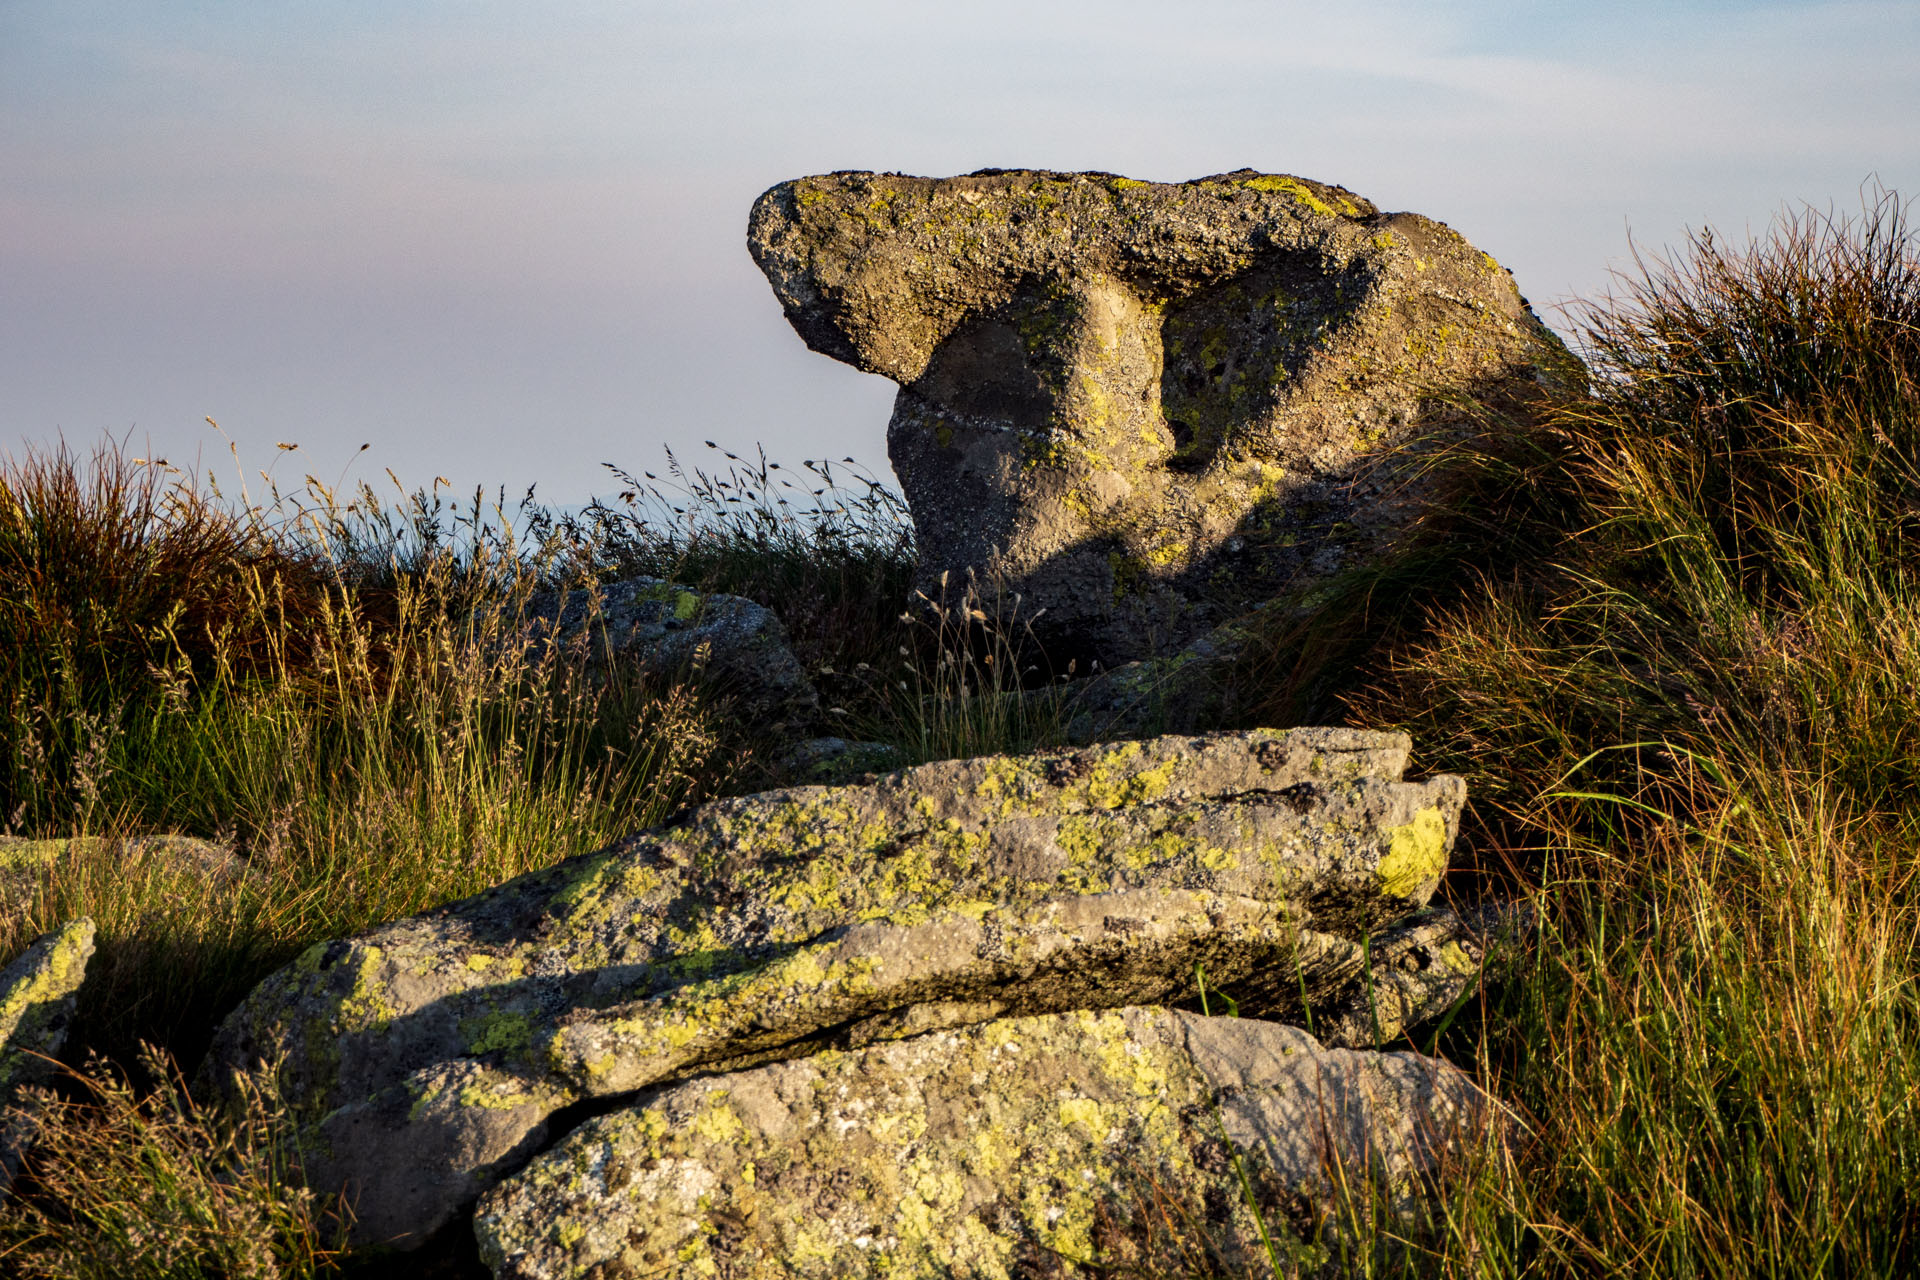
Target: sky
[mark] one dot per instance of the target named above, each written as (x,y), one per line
(504,243)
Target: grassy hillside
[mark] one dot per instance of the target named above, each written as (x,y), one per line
(1673,641)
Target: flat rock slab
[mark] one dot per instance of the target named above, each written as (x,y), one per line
(428,1056)
(1022,1147)
(1148,407)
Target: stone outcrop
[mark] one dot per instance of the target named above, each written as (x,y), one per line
(1023,1147)
(1148,407)
(665,627)
(429,1057)
(37,993)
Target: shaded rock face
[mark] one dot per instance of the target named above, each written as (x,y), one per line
(669,628)
(429,1056)
(1147,407)
(1007,1149)
(37,993)
(830,761)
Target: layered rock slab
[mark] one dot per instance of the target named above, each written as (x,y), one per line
(1147,407)
(428,1056)
(1022,1147)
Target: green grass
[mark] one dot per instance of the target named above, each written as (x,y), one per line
(1669,636)
(134,1183)
(1688,706)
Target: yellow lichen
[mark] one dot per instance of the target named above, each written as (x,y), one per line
(1301,192)
(1455,957)
(1416,854)
(716,1122)
(497,1031)
(1086,1113)
(476,1093)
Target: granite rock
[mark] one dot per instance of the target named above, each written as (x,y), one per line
(37,994)
(1021,1147)
(429,1056)
(672,629)
(1148,407)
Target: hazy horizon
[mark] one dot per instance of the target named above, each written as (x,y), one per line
(504,245)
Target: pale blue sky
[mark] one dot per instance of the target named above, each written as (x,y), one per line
(504,242)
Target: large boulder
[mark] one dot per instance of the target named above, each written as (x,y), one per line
(429,1056)
(1023,1147)
(37,994)
(1146,407)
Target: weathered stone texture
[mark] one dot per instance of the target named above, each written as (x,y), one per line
(1148,407)
(37,993)
(1015,1148)
(831,761)
(428,1054)
(36,1001)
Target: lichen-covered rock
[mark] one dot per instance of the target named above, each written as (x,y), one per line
(1144,406)
(37,993)
(1172,693)
(36,1001)
(24,865)
(830,761)
(428,1054)
(666,627)
(1409,973)
(1022,1147)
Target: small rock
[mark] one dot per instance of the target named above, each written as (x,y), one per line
(830,761)
(1411,973)
(669,628)
(37,993)
(25,862)
(1012,1148)
(1176,693)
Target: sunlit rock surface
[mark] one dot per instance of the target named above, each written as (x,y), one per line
(37,993)
(429,1056)
(1148,407)
(1021,1147)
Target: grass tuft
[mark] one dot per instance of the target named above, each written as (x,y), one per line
(1690,718)
(130,1183)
